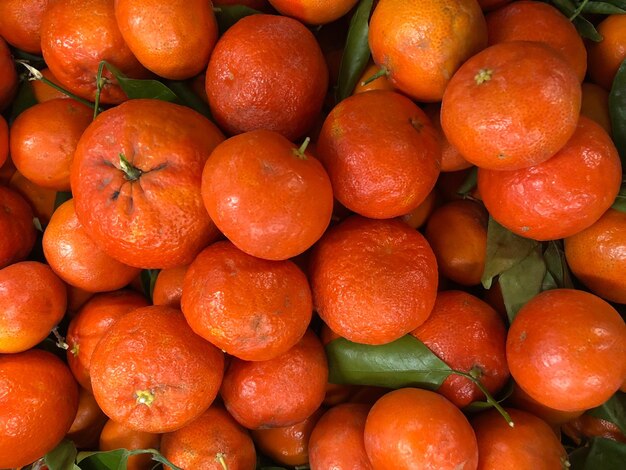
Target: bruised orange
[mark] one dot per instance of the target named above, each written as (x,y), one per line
(271,199)
(133,377)
(422,44)
(267,72)
(373,281)
(136,182)
(511,106)
(381,153)
(250,308)
(567,349)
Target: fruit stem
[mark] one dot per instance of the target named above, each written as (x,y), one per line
(219,457)
(483,75)
(578,10)
(131,173)
(144,397)
(100,82)
(60,340)
(300,151)
(383,71)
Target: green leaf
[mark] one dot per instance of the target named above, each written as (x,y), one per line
(187,97)
(504,250)
(228,15)
(556,264)
(522,282)
(620,199)
(148,279)
(116,459)
(469,184)
(602,8)
(504,394)
(140,88)
(613,410)
(586,29)
(601,454)
(62,456)
(617,110)
(356,53)
(406,362)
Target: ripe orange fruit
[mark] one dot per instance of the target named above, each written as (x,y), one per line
(117,436)
(413,428)
(562,196)
(468,335)
(32,302)
(273,393)
(248,307)
(287,445)
(373,281)
(597,256)
(41,200)
(16,226)
(595,105)
(457,233)
(536,21)
(4,140)
(168,287)
(76,259)
(21,22)
(606,56)
(76,35)
(207,441)
(520,400)
(381,153)
(43,140)
(451,158)
(313,11)
(151,372)
(422,44)
(511,106)
(381,83)
(337,439)
(8,76)
(256,4)
(566,349)
(587,426)
(418,216)
(91,323)
(136,182)
(38,402)
(267,72)
(44,92)
(269,198)
(88,422)
(172,39)
(531,443)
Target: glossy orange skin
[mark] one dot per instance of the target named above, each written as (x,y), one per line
(418,216)
(93,320)
(562,196)
(597,256)
(32,301)
(467,334)
(520,400)
(451,158)
(8,76)
(287,445)
(373,281)
(43,140)
(412,428)
(272,393)
(168,287)
(269,201)
(381,83)
(422,44)
(38,402)
(381,153)
(157,220)
(587,426)
(267,72)
(337,439)
(567,349)
(256,4)
(21,22)
(4,140)
(41,200)
(152,351)
(530,444)
(457,233)
(520,115)
(117,436)
(536,21)
(250,308)
(595,105)
(88,422)
(172,39)
(76,35)
(43,91)
(76,259)
(605,57)
(313,11)
(198,444)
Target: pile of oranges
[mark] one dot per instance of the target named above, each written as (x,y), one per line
(193,216)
